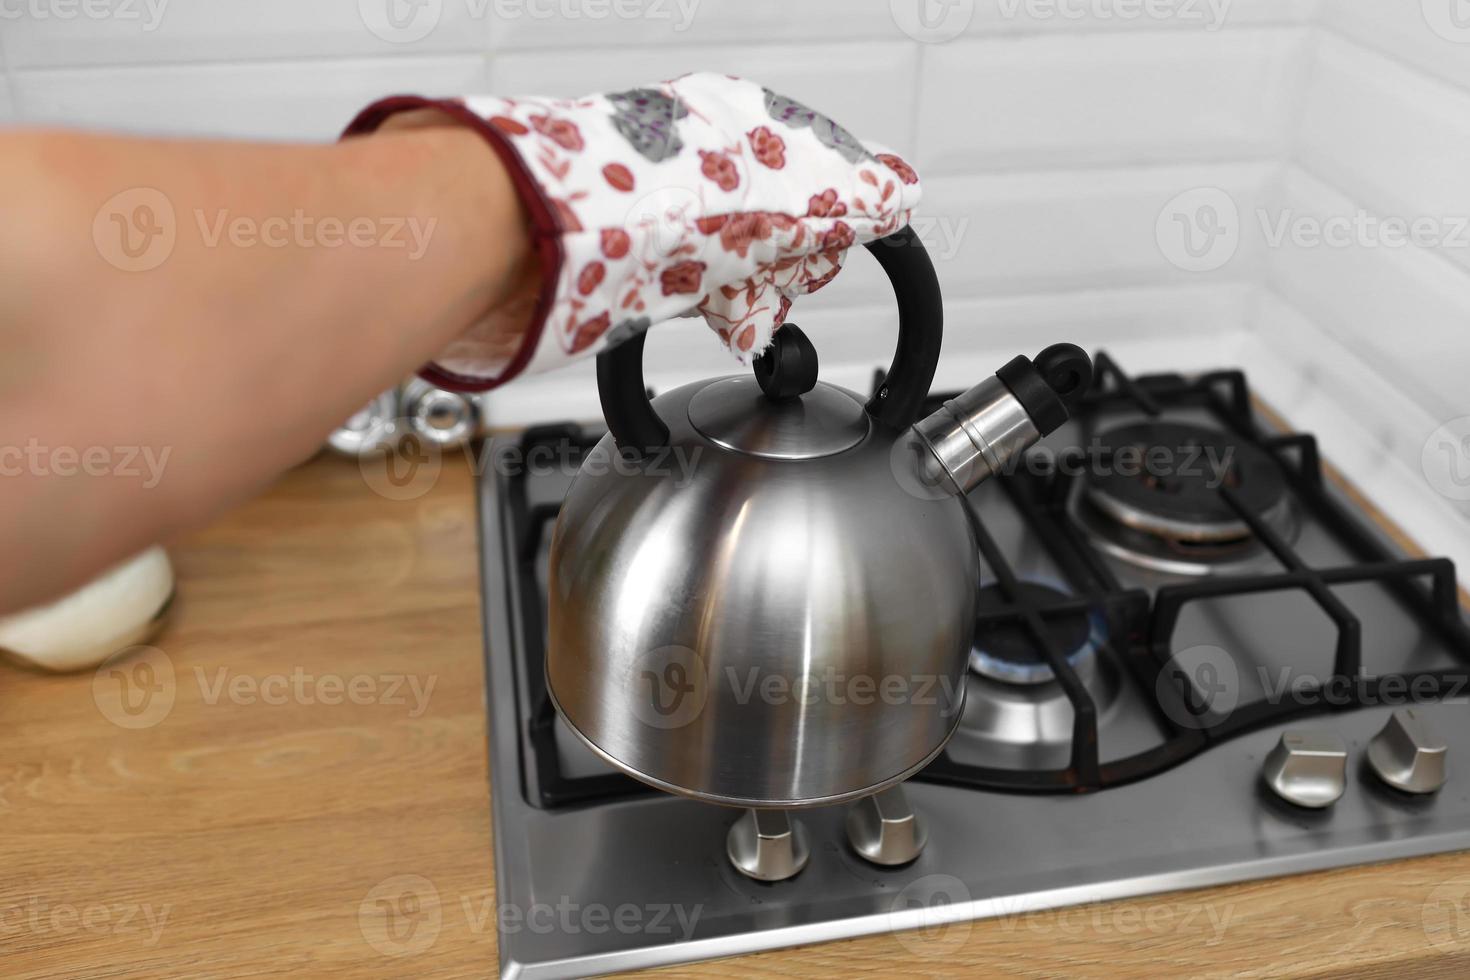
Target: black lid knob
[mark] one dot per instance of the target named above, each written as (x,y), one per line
(788,368)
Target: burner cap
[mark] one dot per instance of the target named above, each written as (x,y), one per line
(1004,650)
(1163,478)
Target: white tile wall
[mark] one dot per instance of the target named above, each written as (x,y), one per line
(869,86)
(1406,310)
(147,32)
(1399,138)
(1202,16)
(281,100)
(1090,100)
(1066,230)
(523,24)
(1407,30)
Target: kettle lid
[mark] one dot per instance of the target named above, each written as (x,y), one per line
(736,414)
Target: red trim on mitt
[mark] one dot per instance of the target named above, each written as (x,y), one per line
(545,233)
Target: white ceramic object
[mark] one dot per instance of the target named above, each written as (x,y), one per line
(121,608)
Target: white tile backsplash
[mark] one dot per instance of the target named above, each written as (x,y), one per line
(1090,100)
(684,24)
(147,32)
(867,86)
(1397,139)
(1065,230)
(285,100)
(1405,310)
(1200,16)
(1432,36)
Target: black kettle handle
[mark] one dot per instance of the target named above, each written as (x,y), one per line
(636,427)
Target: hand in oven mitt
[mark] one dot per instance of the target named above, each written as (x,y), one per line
(706,194)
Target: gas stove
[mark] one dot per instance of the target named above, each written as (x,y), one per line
(1199,658)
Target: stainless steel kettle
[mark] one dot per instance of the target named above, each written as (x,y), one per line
(762,589)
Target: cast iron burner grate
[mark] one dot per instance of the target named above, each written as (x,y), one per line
(1137,631)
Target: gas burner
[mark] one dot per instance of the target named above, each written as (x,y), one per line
(1016,713)
(1005,651)
(1154,498)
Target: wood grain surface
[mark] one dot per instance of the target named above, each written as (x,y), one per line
(307,745)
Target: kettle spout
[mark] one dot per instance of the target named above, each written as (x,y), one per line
(974,435)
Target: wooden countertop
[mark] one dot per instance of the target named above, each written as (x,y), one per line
(289,766)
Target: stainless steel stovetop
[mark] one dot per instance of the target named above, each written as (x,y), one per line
(1147,635)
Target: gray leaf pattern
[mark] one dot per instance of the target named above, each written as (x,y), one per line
(829,133)
(646,117)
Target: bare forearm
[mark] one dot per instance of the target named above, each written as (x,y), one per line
(298,282)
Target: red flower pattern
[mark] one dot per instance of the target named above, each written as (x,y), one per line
(615,243)
(618,176)
(563,132)
(591,277)
(508,125)
(619,273)
(769,148)
(826,205)
(589,331)
(565,215)
(898,166)
(719,168)
(739,230)
(684,277)
(838,238)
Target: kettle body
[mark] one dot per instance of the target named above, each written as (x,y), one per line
(754,629)
(762,589)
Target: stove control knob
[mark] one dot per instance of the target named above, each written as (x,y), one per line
(1308,769)
(884,829)
(767,845)
(1408,754)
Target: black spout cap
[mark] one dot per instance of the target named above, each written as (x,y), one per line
(1052,386)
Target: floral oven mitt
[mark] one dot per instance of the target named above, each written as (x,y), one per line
(706,194)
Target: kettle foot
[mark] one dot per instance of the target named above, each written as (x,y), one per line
(885,830)
(767,845)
